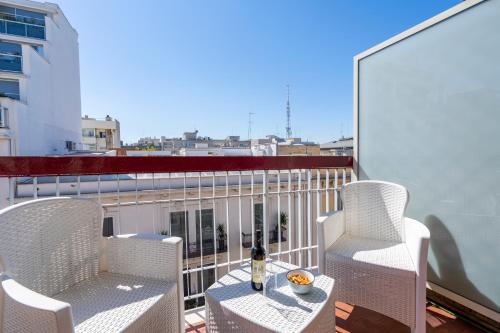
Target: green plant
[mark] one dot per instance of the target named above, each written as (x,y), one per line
(283,220)
(190,304)
(221,232)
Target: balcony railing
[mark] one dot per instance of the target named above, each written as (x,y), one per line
(30,24)
(273,238)
(182,195)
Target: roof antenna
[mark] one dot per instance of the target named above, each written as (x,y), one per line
(288,126)
(250,125)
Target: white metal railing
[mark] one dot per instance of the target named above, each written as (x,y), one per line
(145,203)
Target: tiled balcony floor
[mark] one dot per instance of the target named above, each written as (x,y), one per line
(352,319)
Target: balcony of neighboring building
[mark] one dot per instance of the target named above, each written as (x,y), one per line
(23,23)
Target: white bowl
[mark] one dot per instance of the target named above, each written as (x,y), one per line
(301,288)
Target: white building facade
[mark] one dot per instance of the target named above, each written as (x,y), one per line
(100,134)
(40,104)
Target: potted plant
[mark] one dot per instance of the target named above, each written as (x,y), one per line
(221,236)
(283,223)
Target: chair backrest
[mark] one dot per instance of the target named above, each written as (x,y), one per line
(375,209)
(48,245)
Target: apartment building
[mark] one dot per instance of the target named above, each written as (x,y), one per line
(340,147)
(191,141)
(100,134)
(297,147)
(40,105)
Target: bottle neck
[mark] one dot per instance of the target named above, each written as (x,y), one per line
(258,241)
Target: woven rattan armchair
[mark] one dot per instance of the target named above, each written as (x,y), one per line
(377,256)
(58,274)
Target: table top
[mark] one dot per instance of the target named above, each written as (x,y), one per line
(280,309)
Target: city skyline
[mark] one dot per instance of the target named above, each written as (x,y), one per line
(193,65)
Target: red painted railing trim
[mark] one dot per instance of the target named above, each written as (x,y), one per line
(99,165)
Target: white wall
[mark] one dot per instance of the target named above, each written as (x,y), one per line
(428,118)
(50,91)
(156,217)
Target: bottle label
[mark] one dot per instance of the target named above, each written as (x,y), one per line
(258,271)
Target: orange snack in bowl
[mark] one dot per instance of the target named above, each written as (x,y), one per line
(298,279)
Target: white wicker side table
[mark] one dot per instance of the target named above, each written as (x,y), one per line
(231,305)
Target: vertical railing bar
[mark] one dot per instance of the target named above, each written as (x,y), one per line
(154,202)
(214,228)
(265,201)
(201,230)
(309,217)
(299,215)
(12,190)
(186,235)
(35,187)
(289,216)
(327,194)
(58,182)
(318,193)
(227,223)
(169,221)
(99,188)
(318,200)
(136,205)
(119,208)
(336,191)
(78,184)
(279,213)
(252,208)
(344,181)
(239,216)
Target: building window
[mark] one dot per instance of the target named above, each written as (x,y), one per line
(179,227)
(259,217)
(3,117)
(70,145)
(208,280)
(20,22)
(107,227)
(9,88)
(38,49)
(10,57)
(14,28)
(88,132)
(207,231)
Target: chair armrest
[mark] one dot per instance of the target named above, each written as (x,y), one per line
(330,227)
(148,255)
(417,241)
(36,312)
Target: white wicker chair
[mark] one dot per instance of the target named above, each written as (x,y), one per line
(60,275)
(377,256)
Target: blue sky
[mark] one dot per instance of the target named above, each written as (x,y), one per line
(162,67)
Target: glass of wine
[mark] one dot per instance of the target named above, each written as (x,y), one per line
(270,280)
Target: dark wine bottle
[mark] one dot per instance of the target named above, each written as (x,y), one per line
(258,263)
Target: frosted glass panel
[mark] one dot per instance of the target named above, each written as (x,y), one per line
(429,119)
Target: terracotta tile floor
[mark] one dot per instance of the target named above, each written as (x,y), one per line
(352,319)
